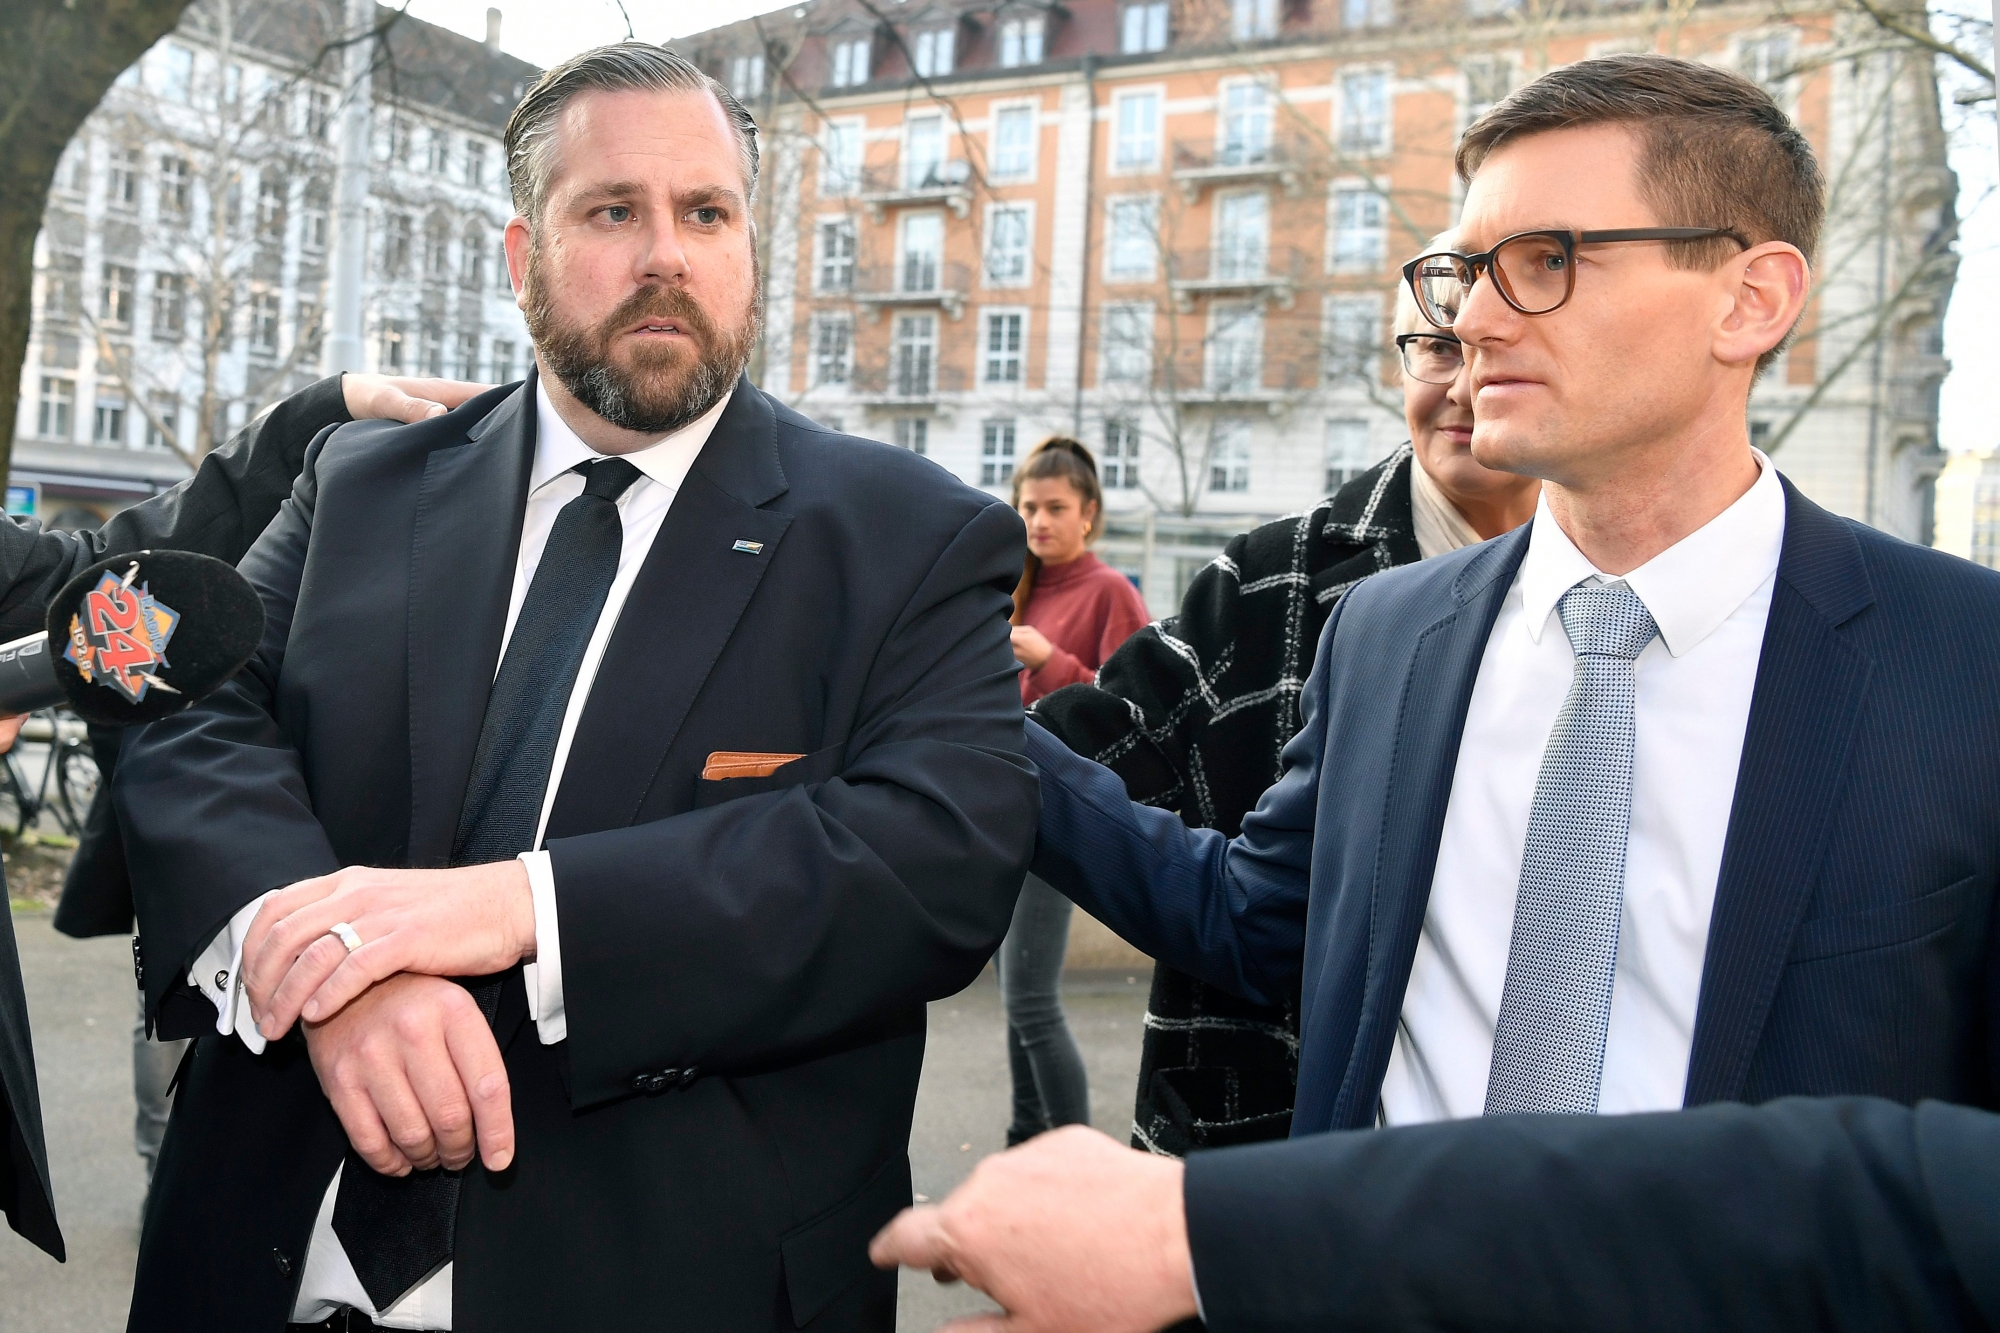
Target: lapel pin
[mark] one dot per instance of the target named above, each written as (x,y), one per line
(748,548)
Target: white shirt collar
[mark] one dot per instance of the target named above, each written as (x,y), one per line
(1691,587)
(558,448)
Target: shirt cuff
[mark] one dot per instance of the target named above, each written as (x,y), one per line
(544,976)
(218,974)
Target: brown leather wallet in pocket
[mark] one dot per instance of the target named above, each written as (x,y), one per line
(744,764)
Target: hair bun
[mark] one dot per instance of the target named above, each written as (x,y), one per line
(1065,444)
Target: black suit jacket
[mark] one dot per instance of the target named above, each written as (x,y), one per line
(775,939)
(1844,1215)
(1852,946)
(217,512)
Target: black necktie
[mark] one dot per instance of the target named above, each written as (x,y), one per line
(398,1231)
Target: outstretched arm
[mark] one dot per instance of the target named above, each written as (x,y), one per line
(1839,1215)
(223,507)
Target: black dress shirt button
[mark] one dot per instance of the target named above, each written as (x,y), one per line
(648,1082)
(689,1075)
(283,1263)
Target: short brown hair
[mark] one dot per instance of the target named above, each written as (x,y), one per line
(1716,150)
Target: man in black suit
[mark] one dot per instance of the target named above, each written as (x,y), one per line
(219,511)
(682,730)
(1852,1214)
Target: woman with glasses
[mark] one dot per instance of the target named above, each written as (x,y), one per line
(1192,712)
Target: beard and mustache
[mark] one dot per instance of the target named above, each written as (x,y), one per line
(651,390)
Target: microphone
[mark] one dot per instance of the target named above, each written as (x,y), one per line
(135,638)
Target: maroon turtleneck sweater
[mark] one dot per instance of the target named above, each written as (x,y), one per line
(1086,609)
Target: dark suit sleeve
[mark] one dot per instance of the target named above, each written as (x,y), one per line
(1852,1214)
(198,790)
(1229,911)
(750,931)
(218,511)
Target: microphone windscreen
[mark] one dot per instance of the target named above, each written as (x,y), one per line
(143,635)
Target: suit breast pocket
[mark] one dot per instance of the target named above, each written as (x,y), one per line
(801,772)
(1897,923)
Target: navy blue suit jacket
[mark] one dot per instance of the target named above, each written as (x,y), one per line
(1846,1214)
(1851,950)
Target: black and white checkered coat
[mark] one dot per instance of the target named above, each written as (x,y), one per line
(1192,712)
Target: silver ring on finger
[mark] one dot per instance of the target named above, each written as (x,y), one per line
(346,934)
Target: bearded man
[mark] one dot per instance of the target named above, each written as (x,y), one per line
(604,804)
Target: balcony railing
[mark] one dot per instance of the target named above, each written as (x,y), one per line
(1229,383)
(1201,163)
(908,380)
(890,186)
(918,282)
(1238,268)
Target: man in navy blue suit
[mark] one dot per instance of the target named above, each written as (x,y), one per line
(1688,791)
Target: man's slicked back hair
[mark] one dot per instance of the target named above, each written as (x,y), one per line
(1716,150)
(620,67)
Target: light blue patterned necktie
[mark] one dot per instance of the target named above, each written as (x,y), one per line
(1548,1047)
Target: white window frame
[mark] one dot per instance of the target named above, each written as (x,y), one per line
(1120,165)
(906,160)
(1024,37)
(1155,27)
(1255,20)
(1026,277)
(819,258)
(912,433)
(1123,447)
(851,63)
(1335,190)
(1113,274)
(1337,364)
(1229,456)
(1385,142)
(833,183)
(996,168)
(1361,15)
(1348,460)
(1223,318)
(1018,356)
(1261,151)
(746,76)
(1234,256)
(897,343)
(1111,342)
(934,51)
(996,466)
(902,249)
(815,365)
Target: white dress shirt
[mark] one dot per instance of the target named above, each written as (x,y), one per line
(1710,594)
(329,1281)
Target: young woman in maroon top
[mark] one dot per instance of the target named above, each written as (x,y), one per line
(1071,611)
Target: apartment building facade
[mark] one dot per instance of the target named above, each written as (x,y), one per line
(181,269)
(1173,229)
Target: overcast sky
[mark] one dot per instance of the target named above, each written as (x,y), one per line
(546,31)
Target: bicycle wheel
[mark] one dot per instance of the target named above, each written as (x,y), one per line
(17,807)
(77,781)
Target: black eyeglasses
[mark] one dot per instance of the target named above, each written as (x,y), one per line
(1433,358)
(1535,271)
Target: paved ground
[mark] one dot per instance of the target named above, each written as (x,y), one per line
(79,992)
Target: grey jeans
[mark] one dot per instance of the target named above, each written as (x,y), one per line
(1050,1087)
